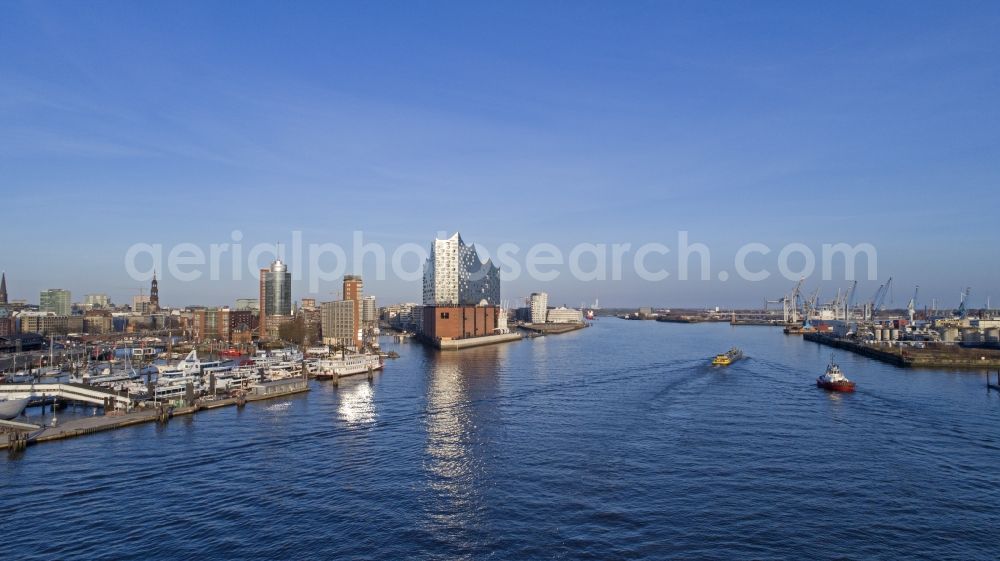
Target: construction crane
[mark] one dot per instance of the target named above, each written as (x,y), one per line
(963,311)
(139,288)
(911,307)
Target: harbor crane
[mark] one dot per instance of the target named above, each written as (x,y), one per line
(767,305)
(963,311)
(837,304)
(809,307)
(911,307)
(875,305)
(790,304)
(849,301)
(879,304)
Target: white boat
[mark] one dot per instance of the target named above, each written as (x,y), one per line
(241,377)
(12,407)
(206,373)
(166,393)
(265,360)
(282,370)
(133,388)
(347,365)
(22,377)
(172,385)
(191,365)
(291,355)
(106,377)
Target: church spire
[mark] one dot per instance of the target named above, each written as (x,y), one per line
(154,294)
(3,287)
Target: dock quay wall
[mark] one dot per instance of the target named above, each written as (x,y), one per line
(950,357)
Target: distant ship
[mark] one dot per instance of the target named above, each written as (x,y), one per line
(834,380)
(589,315)
(800,329)
(729,357)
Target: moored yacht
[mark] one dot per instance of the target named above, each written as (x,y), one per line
(348,364)
(11,407)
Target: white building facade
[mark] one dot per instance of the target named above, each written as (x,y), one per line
(565,315)
(455,276)
(539,304)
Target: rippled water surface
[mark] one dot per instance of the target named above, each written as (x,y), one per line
(615,442)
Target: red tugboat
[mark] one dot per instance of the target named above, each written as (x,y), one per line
(834,380)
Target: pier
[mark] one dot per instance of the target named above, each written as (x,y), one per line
(68,392)
(447,344)
(20,435)
(995,386)
(459,344)
(553,328)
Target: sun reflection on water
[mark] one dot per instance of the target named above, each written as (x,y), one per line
(461,396)
(357,404)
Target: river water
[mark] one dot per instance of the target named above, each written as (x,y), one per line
(614,442)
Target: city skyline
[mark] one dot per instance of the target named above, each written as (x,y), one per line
(812,126)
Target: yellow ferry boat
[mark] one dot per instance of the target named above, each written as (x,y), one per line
(727,358)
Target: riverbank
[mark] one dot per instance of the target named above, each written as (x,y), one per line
(912,357)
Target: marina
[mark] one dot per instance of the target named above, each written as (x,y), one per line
(182,388)
(36,434)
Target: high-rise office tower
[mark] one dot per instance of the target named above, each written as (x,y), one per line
(55,300)
(275,298)
(353,288)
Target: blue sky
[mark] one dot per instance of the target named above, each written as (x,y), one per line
(566,122)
